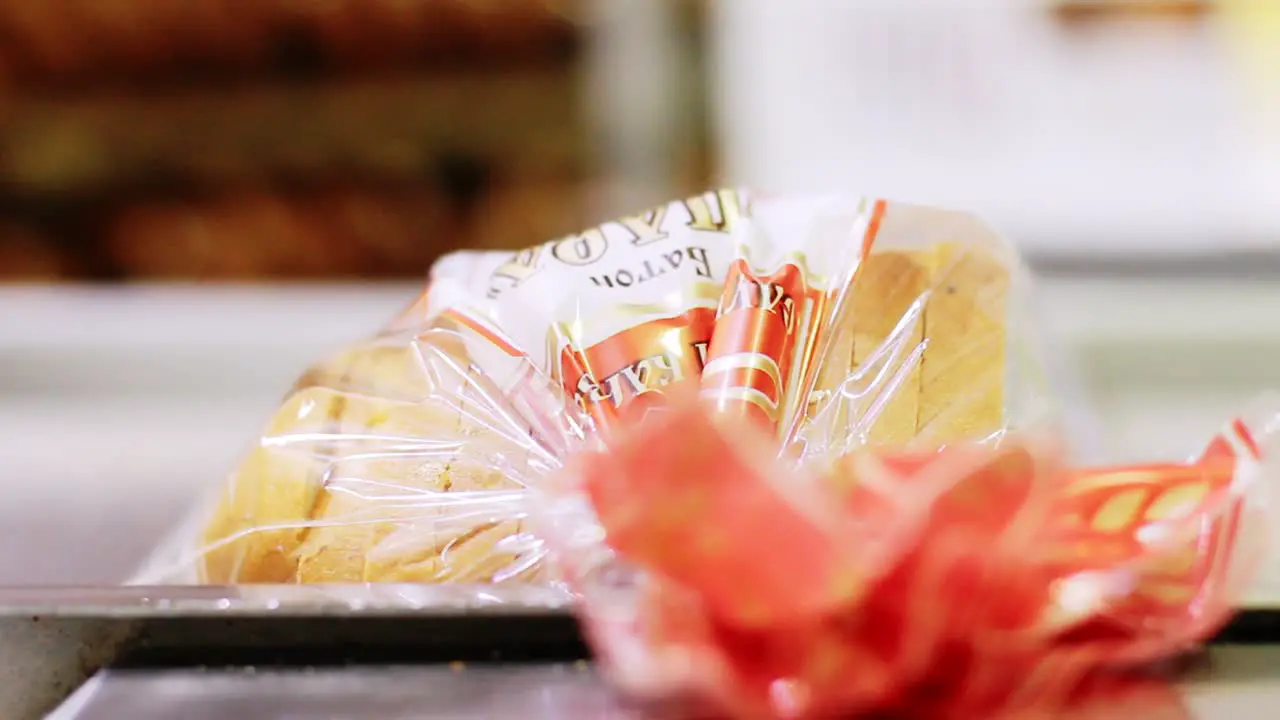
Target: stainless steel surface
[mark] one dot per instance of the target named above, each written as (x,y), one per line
(556,692)
(53,639)
(1237,683)
(280,600)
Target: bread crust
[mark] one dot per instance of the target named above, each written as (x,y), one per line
(352,481)
(962,378)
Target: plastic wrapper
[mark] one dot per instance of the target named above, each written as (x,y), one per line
(991,581)
(832,323)
(794,458)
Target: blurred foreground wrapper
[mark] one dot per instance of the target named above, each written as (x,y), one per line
(972,581)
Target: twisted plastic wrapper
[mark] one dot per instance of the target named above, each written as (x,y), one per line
(972,582)
(830,324)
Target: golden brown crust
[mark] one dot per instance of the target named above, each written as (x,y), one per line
(272,488)
(394,520)
(352,481)
(963,373)
(923,333)
(887,337)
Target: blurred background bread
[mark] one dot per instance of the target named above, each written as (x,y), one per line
(207,140)
(262,232)
(74,44)
(27,254)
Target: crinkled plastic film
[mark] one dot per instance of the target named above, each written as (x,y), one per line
(433,452)
(969,581)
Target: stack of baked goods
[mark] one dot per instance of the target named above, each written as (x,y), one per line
(408,457)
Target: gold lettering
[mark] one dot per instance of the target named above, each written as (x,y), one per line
(777,301)
(518,268)
(769,297)
(669,368)
(581,249)
(614,390)
(644,375)
(636,375)
(700,348)
(717,211)
(698,256)
(743,297)
(646,227)
(588,390)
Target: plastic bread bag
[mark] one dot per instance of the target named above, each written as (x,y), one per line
(833,323)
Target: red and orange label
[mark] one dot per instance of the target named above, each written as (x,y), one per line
(750,353)
(760,323)
(633,366)
(1175,526)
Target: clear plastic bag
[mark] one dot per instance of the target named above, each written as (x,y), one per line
(791,457)
(426,453)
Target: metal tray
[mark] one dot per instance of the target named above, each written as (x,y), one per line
(52,640)
(433,692)
(1229,683)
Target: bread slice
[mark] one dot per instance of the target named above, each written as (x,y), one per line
(888,294)
(962,381)
(923,334)
(259,519)
(358,453)
(385,456)
(873,353)
(427,514)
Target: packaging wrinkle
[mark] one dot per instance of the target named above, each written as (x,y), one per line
(436,450)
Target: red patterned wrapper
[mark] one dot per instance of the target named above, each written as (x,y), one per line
(630,368)
(972,582)
(758,324)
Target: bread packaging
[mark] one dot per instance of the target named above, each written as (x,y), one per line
(832,323)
